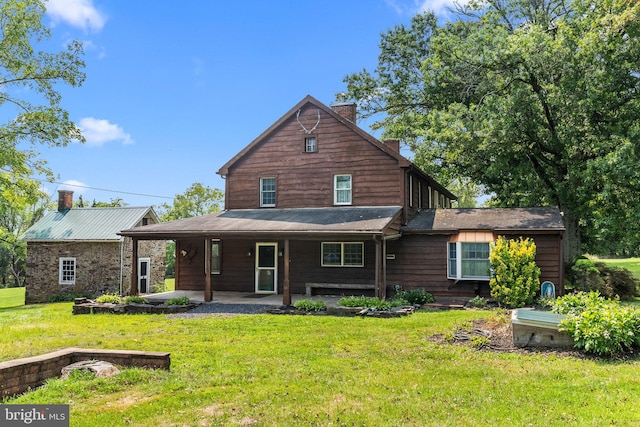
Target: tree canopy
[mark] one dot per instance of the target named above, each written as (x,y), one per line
(197,200)
(538,101)
(30,97)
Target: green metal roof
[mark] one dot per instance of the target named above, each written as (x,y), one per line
(86,224)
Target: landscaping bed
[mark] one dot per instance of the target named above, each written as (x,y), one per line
(87,306)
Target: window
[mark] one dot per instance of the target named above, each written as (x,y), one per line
(342,254)
(216,256)
(67,271)
(267,192)
(342,189)
(310,145)
(468,260)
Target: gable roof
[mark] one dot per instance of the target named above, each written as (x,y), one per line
(536,219)
(283,222)
(402,161)
(86,224)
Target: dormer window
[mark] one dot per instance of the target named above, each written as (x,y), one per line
(342,189)
(267,192)
(310,144)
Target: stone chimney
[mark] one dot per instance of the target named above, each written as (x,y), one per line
(65,200)
(393,144)
(346,109)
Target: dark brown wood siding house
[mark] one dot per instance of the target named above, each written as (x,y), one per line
(314,201)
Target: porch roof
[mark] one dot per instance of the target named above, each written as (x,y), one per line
(531,220)
(351,220)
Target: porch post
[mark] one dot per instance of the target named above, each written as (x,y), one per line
(134,267)
(207,270)
(380,289)
(286,292)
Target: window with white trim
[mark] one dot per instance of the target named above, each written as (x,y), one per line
(342,254)
(310,145)
(267,192)
(67,271)
(468,260)
(342,189)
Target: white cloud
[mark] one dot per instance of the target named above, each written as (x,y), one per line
(411,7)
(77,187)
(98,132)
(77,13)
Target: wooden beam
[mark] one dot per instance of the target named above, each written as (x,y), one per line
(207,270)
(378,278)
(134,267)
(286,292)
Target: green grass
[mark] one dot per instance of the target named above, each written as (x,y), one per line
(631,264)
(11,297)
(267,370)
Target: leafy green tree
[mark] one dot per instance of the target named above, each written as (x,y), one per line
(15,219)
(30,96)
(197,200)
(536,100)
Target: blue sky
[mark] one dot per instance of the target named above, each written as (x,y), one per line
(175,89)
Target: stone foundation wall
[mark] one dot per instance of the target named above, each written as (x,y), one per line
(20,375)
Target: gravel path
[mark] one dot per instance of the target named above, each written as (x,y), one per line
(223,309)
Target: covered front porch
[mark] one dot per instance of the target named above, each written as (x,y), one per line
(277,252)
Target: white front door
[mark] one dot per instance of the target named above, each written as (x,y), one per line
(144,264)
(266,268)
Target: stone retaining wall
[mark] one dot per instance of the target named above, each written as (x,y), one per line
(20,375)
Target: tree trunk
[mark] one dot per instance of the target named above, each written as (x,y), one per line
(572,241)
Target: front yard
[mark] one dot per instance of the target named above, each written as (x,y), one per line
(266,370)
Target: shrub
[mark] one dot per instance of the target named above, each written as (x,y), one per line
(65,297)
(477,302)
(598,325)
(586,275)
(135,299)
(515,276)
(370,302)
(310,305)
(178,301)
(414,296)
(109,299)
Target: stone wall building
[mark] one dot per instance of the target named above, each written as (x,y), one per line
(79,251)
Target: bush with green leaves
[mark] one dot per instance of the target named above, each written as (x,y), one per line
(586,275)
(414,296)
(65,297)
(178,301)
(515,277)
(477,302)
(598,325)
(310,305)
(135,299)
(109,299)
(370,302)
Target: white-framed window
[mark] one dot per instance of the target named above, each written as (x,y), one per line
(216,256)
(342,189)
(310,144)
(468,260)
(342,254)
(67,271)
(267,192)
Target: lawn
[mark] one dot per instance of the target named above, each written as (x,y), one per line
(11,297)
(266,370)
(631,264)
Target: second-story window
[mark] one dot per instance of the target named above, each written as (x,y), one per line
(267,192)
(342,189)
(310,145)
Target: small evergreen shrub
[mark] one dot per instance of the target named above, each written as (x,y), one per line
(477,302)
(178,301)
(414,296)
(514,273)
(586,275)
(135,299)
(310,305)
(109,299)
